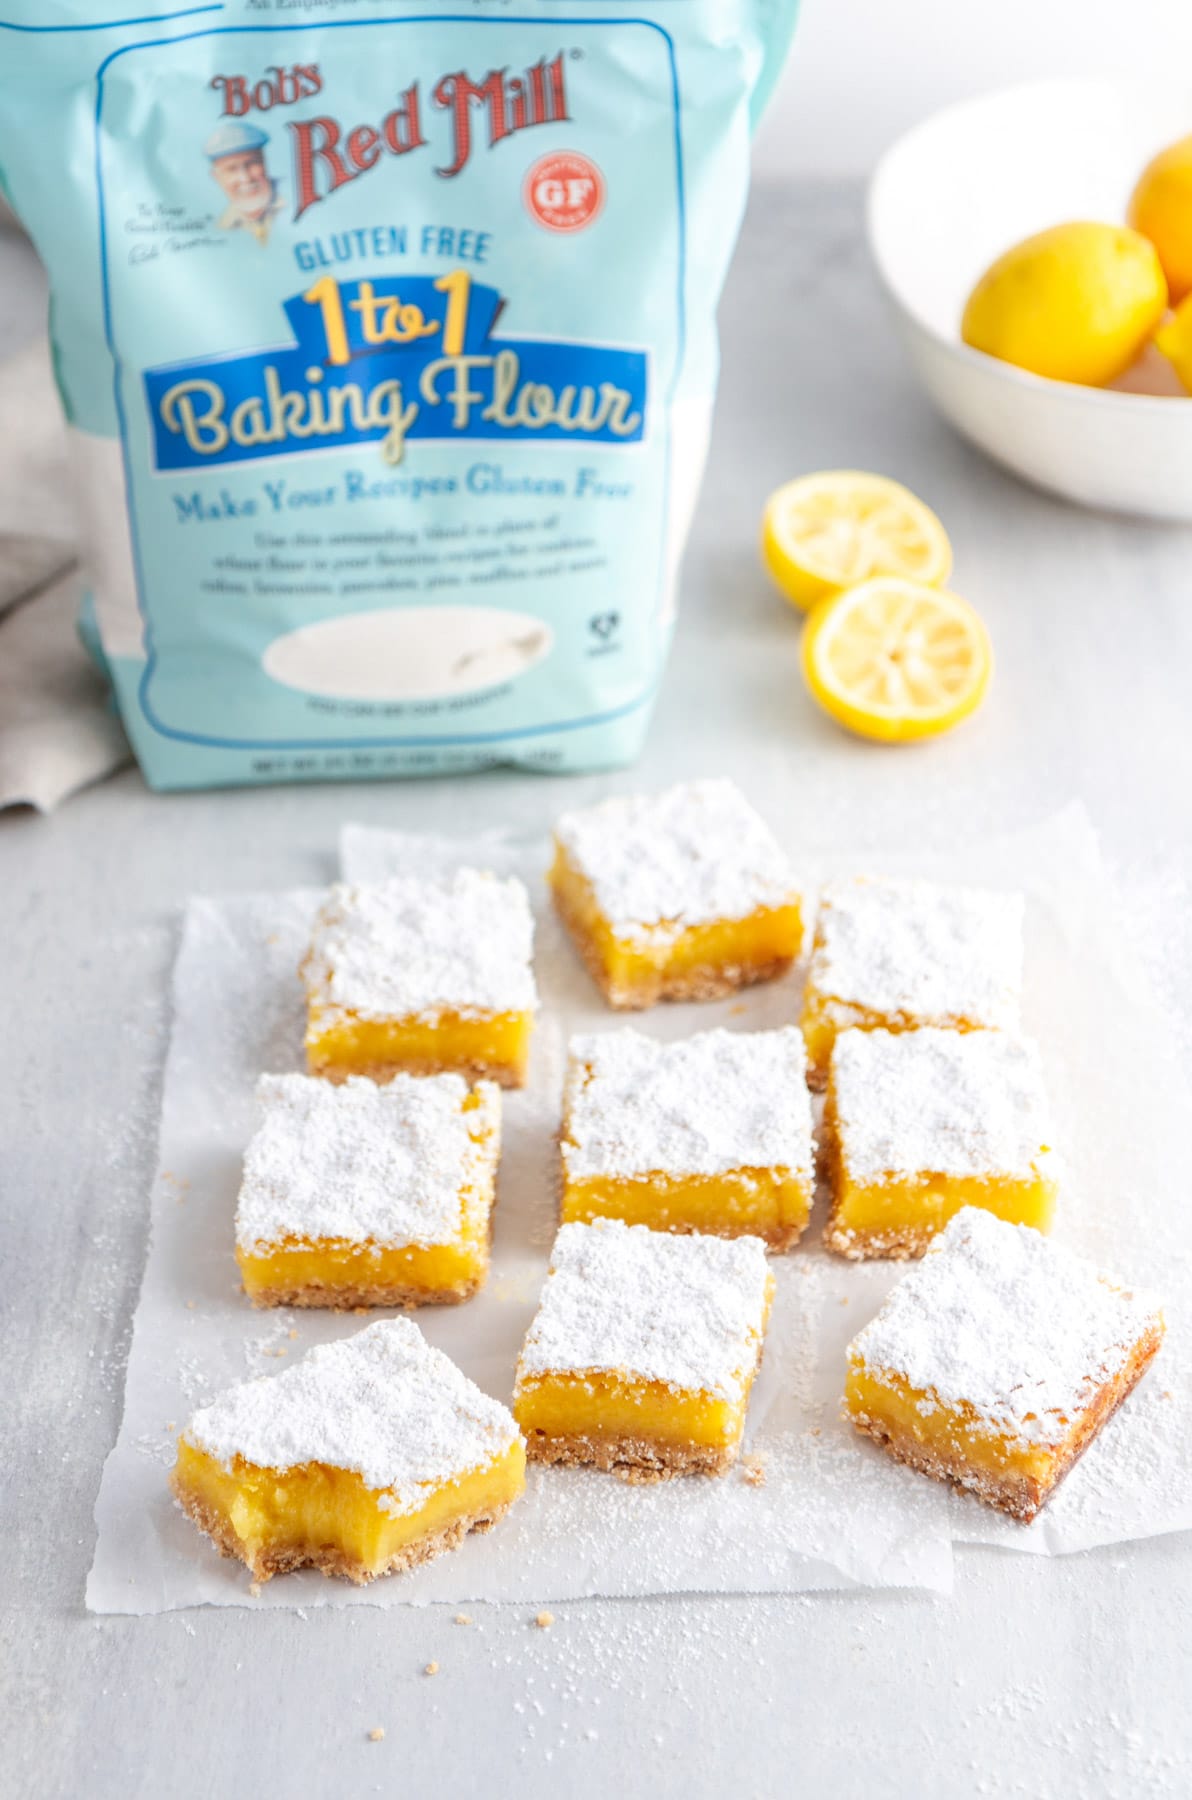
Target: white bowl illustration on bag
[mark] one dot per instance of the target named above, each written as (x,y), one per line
(408,653)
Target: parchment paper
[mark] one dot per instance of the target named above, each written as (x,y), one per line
(831,1510)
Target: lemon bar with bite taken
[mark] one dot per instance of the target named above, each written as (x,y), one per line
(895,955)
(711,1133)
(995,1362)
(356,1194)
(370,1455)
(683,895)
(918,1124)
(422,974)
(643,1351)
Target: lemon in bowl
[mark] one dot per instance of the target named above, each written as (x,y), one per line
(1161,209)
(1077,302)
(944,204)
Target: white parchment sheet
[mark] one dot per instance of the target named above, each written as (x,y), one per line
(832,1510)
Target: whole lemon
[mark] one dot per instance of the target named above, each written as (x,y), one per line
(1161,208)
(1076,303)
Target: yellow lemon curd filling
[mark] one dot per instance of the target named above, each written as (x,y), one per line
(340,1043)
(274,1519)
(773,1204)
(614,1408)
(953,1439)
(312,1272)
(904,1213)
(712,958)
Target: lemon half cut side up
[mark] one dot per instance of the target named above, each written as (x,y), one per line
(826,532)
(897,660)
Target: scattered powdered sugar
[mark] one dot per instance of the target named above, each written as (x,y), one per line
(382,1403)
(998,1317)
(703,1105)
(937,954)
(620,1298)
(696,853)
(418,944)
(358,1161)
(940,1102)
(834,1510)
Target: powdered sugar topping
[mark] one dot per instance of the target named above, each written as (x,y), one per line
(696,853)
(381,1403)
(705,1105)
(999,1318)
(939,1102)
(416,945)
(687,1311)
(386,1164)
(938,955)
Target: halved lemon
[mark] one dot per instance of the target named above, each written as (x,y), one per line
(896,660)
(823,533)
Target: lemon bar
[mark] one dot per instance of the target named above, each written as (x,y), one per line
(918,1124)
(683,895)
(422,975)
(900,954)
(712,1133)
(361,1195)
(643,1351)
(368,1456)
(995,1363)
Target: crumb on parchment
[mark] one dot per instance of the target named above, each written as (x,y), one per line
(753,1471)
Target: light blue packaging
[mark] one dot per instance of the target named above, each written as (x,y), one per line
(386,335)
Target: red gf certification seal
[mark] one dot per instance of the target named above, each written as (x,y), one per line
(564,191)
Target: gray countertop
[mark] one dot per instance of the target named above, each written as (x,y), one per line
(1037,1676)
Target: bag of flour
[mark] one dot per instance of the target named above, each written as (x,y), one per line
(386,336)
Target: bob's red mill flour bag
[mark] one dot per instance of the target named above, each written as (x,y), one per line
(386,335)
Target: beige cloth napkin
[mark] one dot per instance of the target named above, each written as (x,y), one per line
(58,732)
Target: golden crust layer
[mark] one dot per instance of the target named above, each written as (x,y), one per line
(1020,1496)
(635,1460)
(895,1246)
(360,1298)
(328,1560)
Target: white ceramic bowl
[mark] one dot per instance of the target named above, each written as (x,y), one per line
(965,185)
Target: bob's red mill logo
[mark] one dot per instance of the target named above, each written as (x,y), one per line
(328,154)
